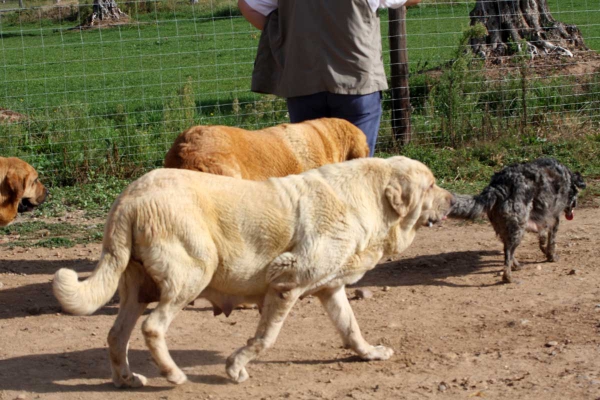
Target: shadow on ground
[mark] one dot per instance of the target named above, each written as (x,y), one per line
(433,269)
(53,373)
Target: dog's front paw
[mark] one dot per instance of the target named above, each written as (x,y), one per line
(176,377)
(132,381)
(238,375)
(378,353)
(552,258)
(516,266)
(235,368)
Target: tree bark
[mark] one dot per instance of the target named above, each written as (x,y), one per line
(105,12)
(511,22)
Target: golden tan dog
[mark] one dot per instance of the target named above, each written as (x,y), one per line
(20,189)
(276,151)
(175,235)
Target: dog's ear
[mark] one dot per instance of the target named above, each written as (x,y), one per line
(396,197)
(578,181)
(15,184)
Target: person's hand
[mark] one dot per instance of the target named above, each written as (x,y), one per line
(254,17)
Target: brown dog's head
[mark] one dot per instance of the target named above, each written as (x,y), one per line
(413,194)
(20,189)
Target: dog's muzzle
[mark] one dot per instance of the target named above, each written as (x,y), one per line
(25,205)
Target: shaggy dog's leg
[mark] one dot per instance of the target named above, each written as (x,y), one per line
(510,263)
(336,303)
(176,292)
(276,307)
(551,255)
(543,236)
(513,233)
(130,310)
(510,223)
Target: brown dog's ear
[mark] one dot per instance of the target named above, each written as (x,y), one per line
(15,184)
(394,194)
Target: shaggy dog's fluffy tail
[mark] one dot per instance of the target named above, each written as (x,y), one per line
(83,298)
(472,207)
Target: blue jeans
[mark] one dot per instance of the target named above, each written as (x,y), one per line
(364,111)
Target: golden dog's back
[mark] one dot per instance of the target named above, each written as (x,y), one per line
(272,152)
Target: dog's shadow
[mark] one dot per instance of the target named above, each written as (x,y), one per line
(433,269)
(46,267)
(63,372)
(36,298)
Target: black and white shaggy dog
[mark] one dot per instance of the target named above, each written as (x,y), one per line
(528,196)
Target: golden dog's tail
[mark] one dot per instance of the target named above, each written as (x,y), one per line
(83,298)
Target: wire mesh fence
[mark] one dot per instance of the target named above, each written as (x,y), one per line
(79,100)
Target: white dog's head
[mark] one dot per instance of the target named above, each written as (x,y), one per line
(413,194)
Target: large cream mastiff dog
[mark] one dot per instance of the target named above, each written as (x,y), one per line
(175,235)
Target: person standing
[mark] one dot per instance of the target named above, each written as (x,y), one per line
(323,56)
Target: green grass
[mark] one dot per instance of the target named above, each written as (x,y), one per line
(44,234)
(94,197)
(141,66)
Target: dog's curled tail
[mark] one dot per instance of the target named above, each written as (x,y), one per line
(83,298)
(472,207)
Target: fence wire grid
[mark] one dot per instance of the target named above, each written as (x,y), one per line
(107,100)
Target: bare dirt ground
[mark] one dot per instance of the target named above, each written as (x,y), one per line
(457,332)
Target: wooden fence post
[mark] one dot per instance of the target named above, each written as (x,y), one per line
(399,76)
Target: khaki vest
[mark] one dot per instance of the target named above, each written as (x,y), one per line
(311,46)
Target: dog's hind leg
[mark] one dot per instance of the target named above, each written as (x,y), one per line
(338,308)
(176,293)
(130,310)
(277,305)
(510,227)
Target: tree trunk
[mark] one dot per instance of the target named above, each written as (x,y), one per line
(399,76)
(511,22)
(105,12)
